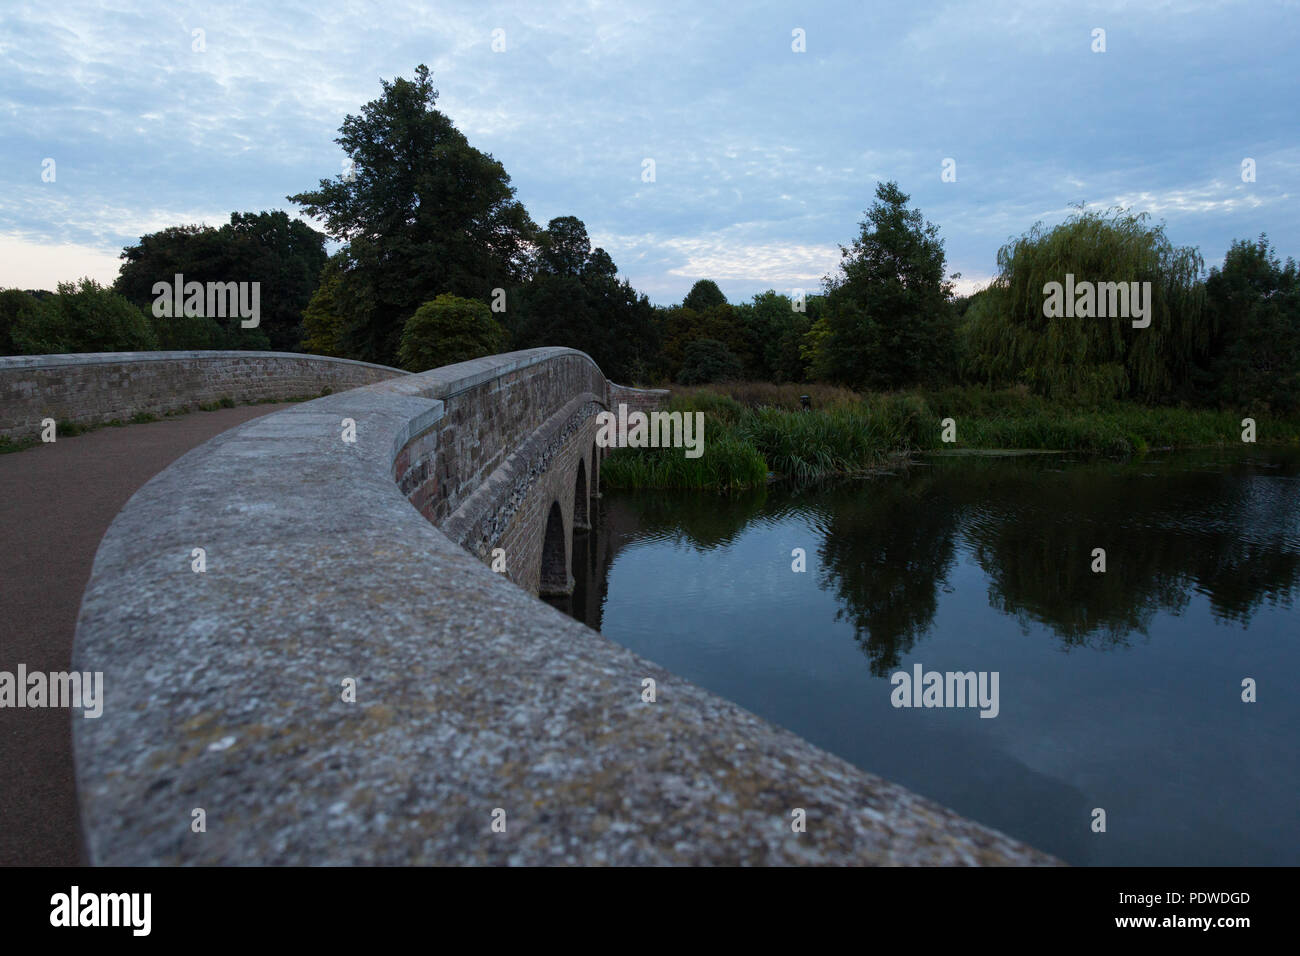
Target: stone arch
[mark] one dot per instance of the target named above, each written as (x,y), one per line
(555,577)
(581,518)
(595,470)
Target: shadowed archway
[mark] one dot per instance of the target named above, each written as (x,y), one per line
(581,519)
(555,576)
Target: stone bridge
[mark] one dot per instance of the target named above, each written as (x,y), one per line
(348,681)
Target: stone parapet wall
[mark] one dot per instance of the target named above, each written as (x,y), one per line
(638,399)
(345,684)
(485,419)
(95,388)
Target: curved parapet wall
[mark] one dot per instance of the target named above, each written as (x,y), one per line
(346,684)
(638,399)
(98,387)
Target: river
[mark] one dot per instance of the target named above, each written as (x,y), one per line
(1118,690)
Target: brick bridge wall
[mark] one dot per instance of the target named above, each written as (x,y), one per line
(503,451)
(94,388)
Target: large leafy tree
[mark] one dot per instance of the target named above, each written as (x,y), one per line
(321,322)
(422,213)
(706,314)
(284,256)
(575,299)
(775,329)
(704,295)
(708,360)
(887,322)
(564,248)
(1253,303)
(1009,339)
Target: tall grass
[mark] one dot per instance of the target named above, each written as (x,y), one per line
(1117,430)
(741,444)
(807,446)
(729,463)
(752,429)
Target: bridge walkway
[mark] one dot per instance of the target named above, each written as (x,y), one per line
(56,502)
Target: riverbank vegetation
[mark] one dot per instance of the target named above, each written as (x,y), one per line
(755,432)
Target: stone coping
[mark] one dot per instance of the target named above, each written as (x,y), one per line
(644,391)
(223,690)
(8,362)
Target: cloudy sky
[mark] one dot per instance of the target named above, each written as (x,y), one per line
(765,158)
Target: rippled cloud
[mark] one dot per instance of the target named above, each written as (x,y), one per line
(765,158)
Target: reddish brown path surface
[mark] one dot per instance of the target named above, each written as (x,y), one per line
(56,502)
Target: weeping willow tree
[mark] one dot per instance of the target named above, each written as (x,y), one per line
(1008,338)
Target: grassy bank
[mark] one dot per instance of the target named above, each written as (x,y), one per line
(752,429)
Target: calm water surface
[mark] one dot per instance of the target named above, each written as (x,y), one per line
(1119,690)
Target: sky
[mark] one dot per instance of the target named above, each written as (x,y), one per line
(765,157)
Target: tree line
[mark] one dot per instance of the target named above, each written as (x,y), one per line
(438,261)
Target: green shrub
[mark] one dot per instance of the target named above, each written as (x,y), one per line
(449,330)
